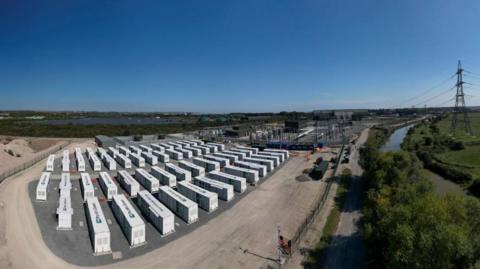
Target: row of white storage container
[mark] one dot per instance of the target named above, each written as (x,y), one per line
(148,181)
(173,154)
(278,154)
(275,159)
(240,155)
(249,174)
(207,164)
(180,173)
(93,159)
(219,160)
(50,166)
(195,152)
(262,169)
(97,224)
(230,157)
(42,186)
(123,160)
(252,150)
(239,183)
(159,215)
(86,186)
(135,150)
(246,153)
(179,204)
(220,147)
(262,161)
(129,220)
(161,156)
(163,176)
(223,190)
(205,199)
(194,169)
(108,186)
(66,161)
(150,158)
(80,160)
(128,183)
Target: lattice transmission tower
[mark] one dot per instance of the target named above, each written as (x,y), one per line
(460,115)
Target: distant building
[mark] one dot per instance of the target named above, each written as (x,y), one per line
(105,141)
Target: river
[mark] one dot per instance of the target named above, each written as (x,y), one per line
(396,139)
(442,186)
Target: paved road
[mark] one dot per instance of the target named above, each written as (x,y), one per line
(346,249)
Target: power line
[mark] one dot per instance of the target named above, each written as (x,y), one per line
(424,92)
(434,97)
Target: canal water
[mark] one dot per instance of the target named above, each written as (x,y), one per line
(442,186)
(396,139)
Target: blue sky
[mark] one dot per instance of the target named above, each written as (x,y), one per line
(233,56)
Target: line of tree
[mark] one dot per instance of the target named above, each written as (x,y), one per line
(407,225)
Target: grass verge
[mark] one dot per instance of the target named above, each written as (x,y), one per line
(315,256)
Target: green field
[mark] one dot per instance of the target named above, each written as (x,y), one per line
(454,157)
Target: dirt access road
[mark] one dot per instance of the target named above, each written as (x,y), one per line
(249,225)
(346,249)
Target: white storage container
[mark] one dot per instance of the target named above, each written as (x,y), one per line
(166,146)
(157,147)
(109,188)
(95,163)
(247,153)
(80,160)
(64,212)
(252,150)
(148,181)
(123,150)
(129,220)
(180,173)
(282,151)
(97,224)
(101,152)
(50,163)
(65,184)
(162,157)
(66,161)
(224,191)
(212,148)
(42,186)
(138,160)
(163,176)
(263,161)
(113,152)
(230,157)
(145,148)
(240,155)
(175,146)
(179,204)
(150,158)
(205,199)
(275,159)
(158,214)
(86,186)
(220,160)
(173,154)
(207,164)
(135,150)
(195,152)
(249,174)
(239,183)
(196,141)
(262,169)
(220,147)
(194,169)
(281,156)
(204,149)
(124,161)
(110,163)
(128,183)
(187,154)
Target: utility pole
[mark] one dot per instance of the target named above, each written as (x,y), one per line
(460,110)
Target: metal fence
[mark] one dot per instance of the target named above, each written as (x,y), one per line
(31,162)
(316,208)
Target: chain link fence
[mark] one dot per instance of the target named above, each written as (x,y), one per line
(31,162)
(316,208)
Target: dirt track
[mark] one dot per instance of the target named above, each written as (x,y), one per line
(250,224)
